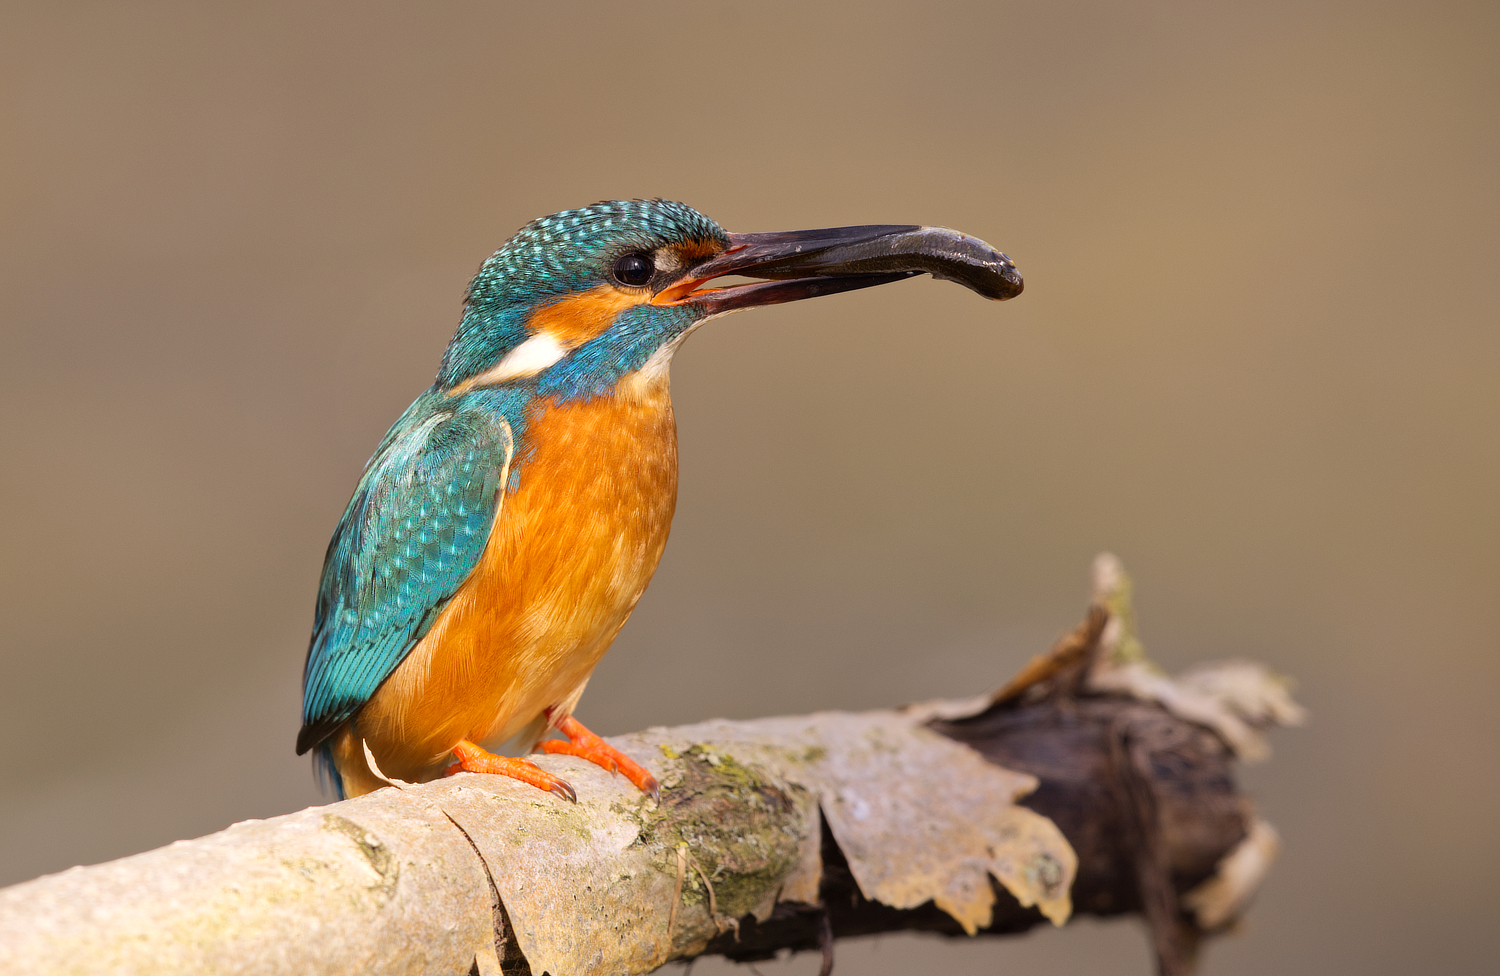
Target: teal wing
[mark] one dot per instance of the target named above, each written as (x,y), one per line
(414,530)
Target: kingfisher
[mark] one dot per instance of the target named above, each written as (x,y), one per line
(510,520)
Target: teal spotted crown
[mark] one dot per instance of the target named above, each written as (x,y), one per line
(570,251)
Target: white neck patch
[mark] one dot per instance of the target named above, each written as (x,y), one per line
(527,359)
(543,350)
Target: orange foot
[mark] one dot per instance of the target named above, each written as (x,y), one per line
(476,759)
(586,745)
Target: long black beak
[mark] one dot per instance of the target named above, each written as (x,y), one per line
(807,263)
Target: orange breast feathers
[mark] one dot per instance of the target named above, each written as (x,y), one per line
(570,554)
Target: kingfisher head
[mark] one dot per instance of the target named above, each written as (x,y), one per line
(583,298)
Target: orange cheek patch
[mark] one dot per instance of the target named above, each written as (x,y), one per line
(574,320)
(693,250)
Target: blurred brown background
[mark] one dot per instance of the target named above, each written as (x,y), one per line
(1256,356)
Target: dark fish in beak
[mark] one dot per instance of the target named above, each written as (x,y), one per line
(806,263)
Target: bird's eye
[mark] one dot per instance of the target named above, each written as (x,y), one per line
(634,269)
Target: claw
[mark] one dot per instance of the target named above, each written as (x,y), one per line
(586,745)
(476,759)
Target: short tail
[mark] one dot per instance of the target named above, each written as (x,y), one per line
(326,771)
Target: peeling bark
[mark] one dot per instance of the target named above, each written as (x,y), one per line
(1068,747)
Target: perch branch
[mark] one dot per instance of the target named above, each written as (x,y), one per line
(981,818)
(393,883)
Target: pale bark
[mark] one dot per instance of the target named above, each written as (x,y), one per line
(736,859)
(1092,783)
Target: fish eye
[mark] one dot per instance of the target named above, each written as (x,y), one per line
(634,269)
